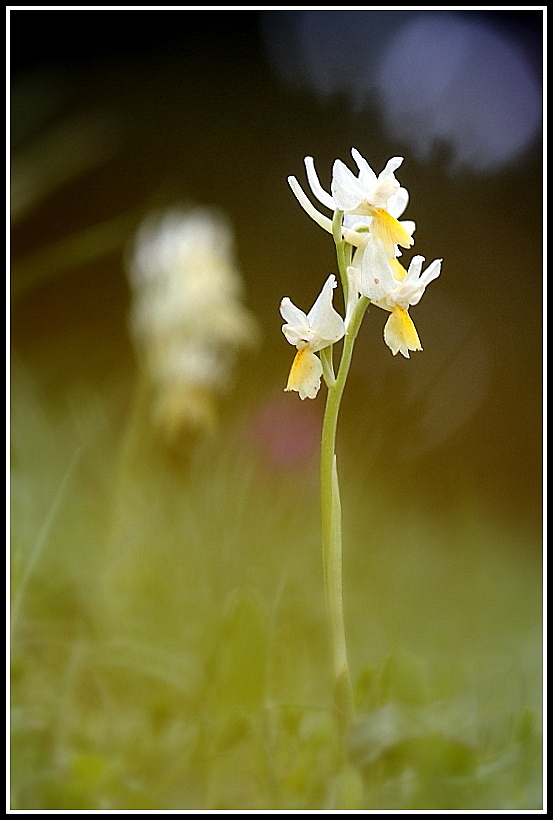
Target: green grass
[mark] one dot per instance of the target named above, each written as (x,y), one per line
(169,647)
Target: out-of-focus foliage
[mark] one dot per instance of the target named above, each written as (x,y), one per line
(169,647)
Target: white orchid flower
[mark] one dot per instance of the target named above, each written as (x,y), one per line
(389,286)
(371,195)
(380,200)
(309,333)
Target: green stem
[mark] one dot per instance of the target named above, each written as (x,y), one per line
(343,251)
(328,366)
(332,526)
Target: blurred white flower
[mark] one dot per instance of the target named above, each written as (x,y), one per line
(309,333)
(389,286)
(186,317)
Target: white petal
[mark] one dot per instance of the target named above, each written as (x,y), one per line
(294,335)
(398,202)
(382,192)
(391,166)
(345,187)
(316,186)
(308,206)
(411,298)
(418,287)
(432,272)
(386,186)
(414,271)
(326,322)
(367,176)
(376,279)
(292,314)
(296,329)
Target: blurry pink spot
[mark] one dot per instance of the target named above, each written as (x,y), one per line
(286,432)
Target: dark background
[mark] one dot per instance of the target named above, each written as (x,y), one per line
(195,112)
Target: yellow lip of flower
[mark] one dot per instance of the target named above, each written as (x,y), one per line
(305,374)
(399,272)
(389,231)
(400,333)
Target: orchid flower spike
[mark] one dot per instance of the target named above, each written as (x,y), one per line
(309,333)
(389,286)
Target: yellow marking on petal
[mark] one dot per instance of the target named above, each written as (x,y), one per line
(398,270)
(294,377)
(305,374)
(390,231)
(400,334)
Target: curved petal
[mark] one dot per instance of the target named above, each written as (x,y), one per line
(316,186)
(414,271)
(326,322)
(296,329)
(292,314)
(398,202)
(386,186)
(418,287)
(308,206)
(367,176)
(432,272)
(391,166)
(382,192)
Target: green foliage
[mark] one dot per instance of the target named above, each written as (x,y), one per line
(169,646)
(240,661)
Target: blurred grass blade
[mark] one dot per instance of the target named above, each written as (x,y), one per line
(41,542)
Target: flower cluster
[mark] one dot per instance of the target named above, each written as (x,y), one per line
(369,208)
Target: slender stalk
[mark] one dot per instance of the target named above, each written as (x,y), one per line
(331,506)
(332,525)
(343,251)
